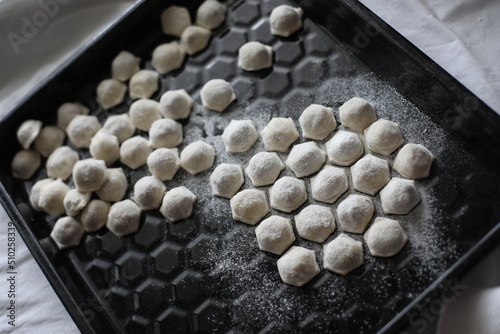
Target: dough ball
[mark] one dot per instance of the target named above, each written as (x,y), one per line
(264,168)
(210,14)
(61,162)
(164,163)
(354,213)
(81,130)
(165,133)
(275,234)
(168,57)
(143,113)
(89,174)
(67,111)
(385,237)
(75,201)
(25,163)
(288,194)
(51,198)
(383,137)
(370,174)
(104,146)
(317,122)
(329,184)
(226,180)
(197,157)
(110,93)
(254,56)
(249,206)
(298,266)
(95,215)
(123,218)
(143,84)
(176,104)
(177,204)
(239,136)
(315,223)
(67,232)
(28,131)
(134,152)
(399,196)
(343,254)
(285,20)
(344,148)
(217,94)
(174,20)
(357,114)
(149,192)
(119,126)
(36,192)
(279,134)
(194,39)
(305,159)
(114,187)
(124,66)
(49,138)
(413,161)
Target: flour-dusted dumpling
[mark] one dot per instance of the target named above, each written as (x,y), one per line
(75,201)
(25,163)
(143,113)
(315,223)
(275,234)
(279,134)
(370,174)
(49,138)
(165,133)
(95,215)
(143,84)
(413,161)
(298,266)
(124,66)
(383,137)
(174,20)
(28,131)
(249,206)
(399,196)
(149,192)
(217,94)
(211,14)
(51,198)
(285,20)
(177,204)
(163,163)
(354,213)
(176,104)
(168,57)
(329,184)
(134,152)
(110,93)
(317,122)
(105,146)
(264,168)
(254,56)
(343,254)
(89,174)
(67,111)
(305,159)
(385,237)
(226,180)
(239,136)
(61,162)
(120,126)
(81,130)
(67,232)
(114,187)
(197,157)
(36,192)
(288,194)
(123,218)
(344,148)
(194,39)
(357,114)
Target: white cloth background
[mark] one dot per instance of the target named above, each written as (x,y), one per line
(462,36)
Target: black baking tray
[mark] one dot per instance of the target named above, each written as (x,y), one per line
(115,285)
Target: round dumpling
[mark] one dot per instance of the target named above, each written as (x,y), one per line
(105,146)
(355,213)
(275,234)
(285,20)
(177,204)
(143,113)
(370,174)
(264,168)
(165,133)
(279,134)
(114,187)
(343,254)
(288,194)
(143,84)
(81,130)
(315,223)
(51,198)
(357,114)
(329,184)
(197,157)
(49,138)
(89,174)
(110,93)
(399,196)
(344,148)
(305,159)
(28,131)
(194,39)
(298,266)
(413,161)
(174,20)
(254,56)
(176,104)
(210,14)
(249,206)
(123,218)
(134,152)
(149,192)
(67,111)
(119,126)
(164,163)
(317,122)
(75,201)
(124,66)
(217,94)
(36,192)
(239,136)
(226,180)
(61,162)
(25,163)
(383,137)
(385,237)
(168,57)
(67,232)
(95,215)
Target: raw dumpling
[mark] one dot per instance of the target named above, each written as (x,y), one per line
(176,104)
(163,163)
(315,223)
(197,157)
(317,122)
(239,136)
(89,174)
(385,237)
(254,56)
(305,159)
(143,84)
(134,152)
(264,168)
(168,57)
(143,113)
(95,215)
(75,201)
(67,232)
(413,161)
(114,187)
(329,184)
(61,162)
(28,131)
(226,180)
(51,198)
(344,148)
(36,192)
(288,194)
(343,254)
(104,146)
(279,134)
(81,130)
(149,192)
(355,213)
(124,66)
(217,94)
(25,163)
(249,206)
(275,234)
(165,133)
(285,20)
(123,218)
(357,114)
(194,39)
(67,111)
(370,174)
(49,138)
(298,266)
(174,20)
(383,137)
(177,204)
(399,196)
(119,126)
(110,93)
(210,14)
